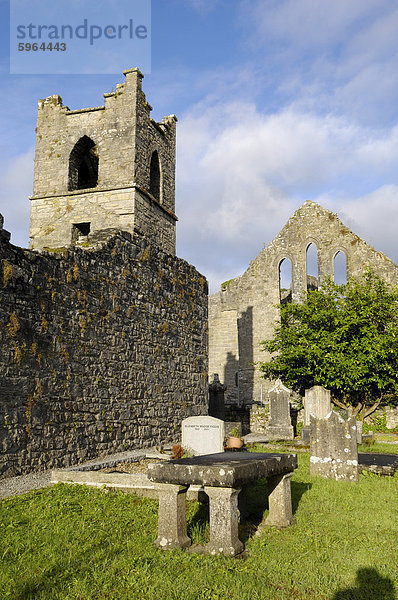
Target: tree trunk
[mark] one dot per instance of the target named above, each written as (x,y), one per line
(357,409)
(340,404)
(371,410)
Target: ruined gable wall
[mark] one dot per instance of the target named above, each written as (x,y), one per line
(256,293)
(102,350)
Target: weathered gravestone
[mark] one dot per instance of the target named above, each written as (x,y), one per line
(279,426)
(333,447)
(203,435)
(216,398)
(317,403)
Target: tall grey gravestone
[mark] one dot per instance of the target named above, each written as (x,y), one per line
(359,431)
(317,403)
(333,447)
(203,435)
(279,426)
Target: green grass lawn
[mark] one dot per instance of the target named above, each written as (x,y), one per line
(379,447)
(390,437)
(71,542)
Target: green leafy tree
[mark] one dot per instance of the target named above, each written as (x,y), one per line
(343,337)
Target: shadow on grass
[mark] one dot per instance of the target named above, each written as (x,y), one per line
(370,586)
(299,488)
(49,580)
(252,502)
(198,522)
(58,576)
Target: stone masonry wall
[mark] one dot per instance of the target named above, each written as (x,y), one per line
(103,349)
(387,415)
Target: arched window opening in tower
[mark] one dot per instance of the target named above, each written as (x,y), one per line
(155,176)
(312,267)
(340,268)
(83,165)
(285,281)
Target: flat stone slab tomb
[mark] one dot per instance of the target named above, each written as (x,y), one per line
(222,477)
(381,464)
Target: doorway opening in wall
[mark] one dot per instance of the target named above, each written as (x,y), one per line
(80,231)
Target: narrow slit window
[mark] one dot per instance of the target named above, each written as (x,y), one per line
(155,176)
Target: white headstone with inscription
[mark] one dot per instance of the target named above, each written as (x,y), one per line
(203,435)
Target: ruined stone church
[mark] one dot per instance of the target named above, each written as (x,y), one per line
(103,330)
(244,311)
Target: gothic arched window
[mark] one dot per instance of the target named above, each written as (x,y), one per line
(285,281)
(340,268)
(312,266)
(83,165)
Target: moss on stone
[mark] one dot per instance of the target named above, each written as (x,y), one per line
(225,284)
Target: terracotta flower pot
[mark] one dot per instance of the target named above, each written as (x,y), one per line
(235,442)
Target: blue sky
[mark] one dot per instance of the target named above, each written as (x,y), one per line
(278,101)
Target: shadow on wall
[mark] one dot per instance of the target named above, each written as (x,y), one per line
(370,586)
(239,371)
(246,368)
(231,374)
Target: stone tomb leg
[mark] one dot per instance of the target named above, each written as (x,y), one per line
(224,520)
(172,524)
(280,501)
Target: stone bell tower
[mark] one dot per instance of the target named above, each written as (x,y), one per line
(110,166)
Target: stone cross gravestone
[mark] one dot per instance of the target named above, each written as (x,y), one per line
(203,435)
(317,403)
(333,447)
(280,426)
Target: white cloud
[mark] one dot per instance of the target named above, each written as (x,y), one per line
(15,188)
(338,57)
(242,173)
(374,217)
(309,24)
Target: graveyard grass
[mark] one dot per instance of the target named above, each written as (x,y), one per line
(72,542)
